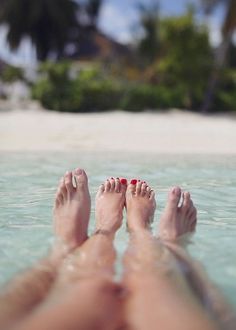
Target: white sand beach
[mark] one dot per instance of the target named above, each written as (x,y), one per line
(165,133)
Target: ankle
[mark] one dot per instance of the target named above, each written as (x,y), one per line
(139,231)
(105,232)
(138,223)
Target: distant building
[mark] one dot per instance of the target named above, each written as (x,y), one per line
(94,45)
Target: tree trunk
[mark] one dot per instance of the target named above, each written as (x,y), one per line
(215,77)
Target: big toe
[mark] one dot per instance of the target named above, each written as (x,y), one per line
(123,185)
(174,198)
(131,188)
(81,178)
(69,182)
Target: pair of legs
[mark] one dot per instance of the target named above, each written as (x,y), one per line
(74,289)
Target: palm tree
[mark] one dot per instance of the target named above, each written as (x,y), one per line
(228,29)
(48,23)
(149,19)
(93,8)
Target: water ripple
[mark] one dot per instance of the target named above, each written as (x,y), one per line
(28,184)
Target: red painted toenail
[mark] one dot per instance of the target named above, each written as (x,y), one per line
(112,178)
(133,181)
(123,181)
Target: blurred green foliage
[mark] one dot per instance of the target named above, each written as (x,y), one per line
(55,90)
(10,74)
(225,99)
(176,77)
(187,60)
(89,91)
(171,64)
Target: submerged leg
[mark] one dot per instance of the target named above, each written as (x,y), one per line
(97,255)
(84,295)
(174,223)
(71,216)
(159,296)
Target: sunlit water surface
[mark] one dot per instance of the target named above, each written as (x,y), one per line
(28,183)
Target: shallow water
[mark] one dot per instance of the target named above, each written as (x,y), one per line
(28,183)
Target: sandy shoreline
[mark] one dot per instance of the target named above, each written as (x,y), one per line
(165,133)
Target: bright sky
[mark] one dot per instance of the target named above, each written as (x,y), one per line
(118,19)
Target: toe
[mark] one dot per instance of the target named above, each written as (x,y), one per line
(138,188)
(144,189)
(174,198)
(193,218)
(193,225)
(152,194)
(81,178)
(148,191)
(101,189)
(62,188)
(123,185)
(107,186)
(131,188)
(117,185)
(187,203)
(112,183)
(68,182)
(58,199)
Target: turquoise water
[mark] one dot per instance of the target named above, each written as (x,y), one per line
(28,183)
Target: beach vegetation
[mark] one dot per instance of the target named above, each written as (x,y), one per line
(55,89)
(186,59)
(222,52)
(225,95)
(11,74)
(175,75)
(51,26)
(59,89)
(171,64)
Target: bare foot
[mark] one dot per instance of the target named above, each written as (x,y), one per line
(110,201)
(177,220)
(72,209)
(140,204)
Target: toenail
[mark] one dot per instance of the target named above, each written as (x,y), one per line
(78,171)
(175,190)
(123,181)
(112,178)
(133,181)
(117,178)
